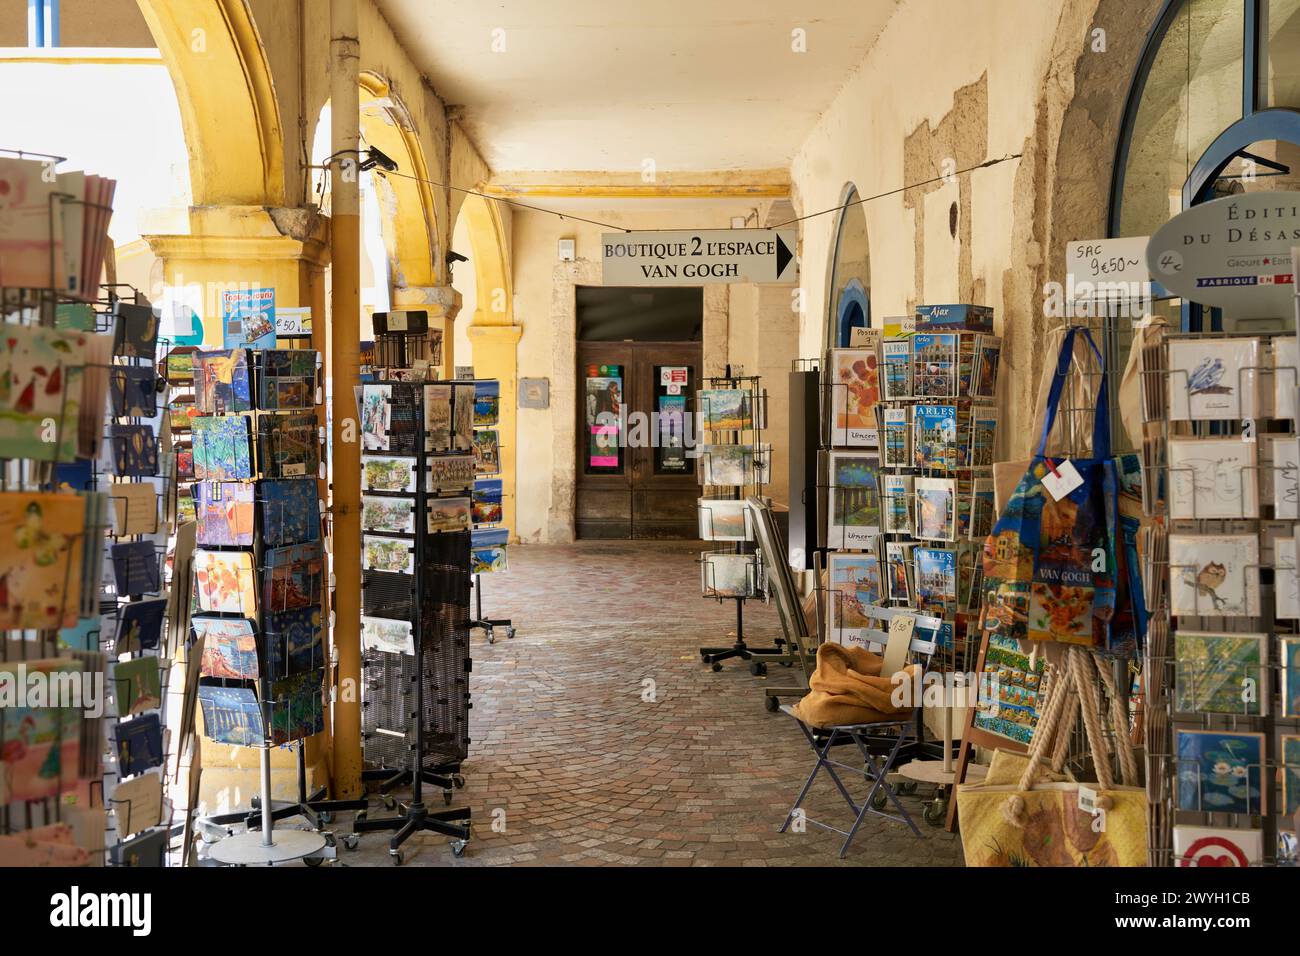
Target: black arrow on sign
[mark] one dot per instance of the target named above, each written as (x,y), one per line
(783,256)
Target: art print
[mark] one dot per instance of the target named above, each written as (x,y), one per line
(487,454)
(138,743)
(1213,378)
(41,381)
(229,647)
(133,391)
(855,390)
(225,513)
(290,511)
(1214,575)
(287,380)
(294,641)
(221,449)
(387,636)
(1220,673)
(292,576)
(393,555)
(486,501)
(463,436)
(451,473)
(135,451)
(855,586)
(224,582)
(393,515)
(727,465)
(487,402)
(1213,478)
(137,685)
(853,502)
(232,715)
(41,745)
(728,575)
(936,512)
(376,415)
(896,503)
(437,418)
(388,474)
(726,409)
(1286,581)
(1220,772)
(1217,846)
(288,446)
(449,514)
(297,708)
(222,382)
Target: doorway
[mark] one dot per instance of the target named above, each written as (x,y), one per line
(639,357)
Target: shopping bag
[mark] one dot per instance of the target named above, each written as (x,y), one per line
(1038,821)
(1053,568)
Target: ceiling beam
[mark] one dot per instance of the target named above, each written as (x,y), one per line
(714,184)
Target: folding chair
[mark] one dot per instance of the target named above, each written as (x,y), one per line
(878,760)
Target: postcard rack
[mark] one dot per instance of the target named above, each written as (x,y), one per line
(1221,671)
(490,536)
(415,601)
(734,464)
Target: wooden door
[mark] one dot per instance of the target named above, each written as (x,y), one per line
(635,478)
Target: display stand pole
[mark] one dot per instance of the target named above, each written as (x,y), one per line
(487,623)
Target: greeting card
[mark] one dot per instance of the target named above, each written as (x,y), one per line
(41,745)
(853,504)
(1214,575)
(1220,673)
(135,450)
(290,511)
(225,513)
(138,743)
(139,626)
(41,383)
(1220,772)
(387,554)
(387,636)
(1217,846)
(136,568)
(1282,471)
(137,685)
(294,642)
(221,448)
(376,411)
(462,417)
(288,446)
(133,389)
(449,514)
(297,707)
(224,582)
(392,515)
(1213,478)
(1213,378)
(394,474)
(222,382)
(232,715)
(449,473)
(292,576)
(229,647)
(437,418)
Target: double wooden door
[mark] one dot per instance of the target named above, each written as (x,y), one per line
(635,475)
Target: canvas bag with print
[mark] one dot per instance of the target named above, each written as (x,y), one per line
(1052,569)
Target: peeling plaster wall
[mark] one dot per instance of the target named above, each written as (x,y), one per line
(943,82)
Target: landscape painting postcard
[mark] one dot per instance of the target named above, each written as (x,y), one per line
(1220,673)
(225,582)
(41,382)
(222,382)
(936,511)
(229,647)
(487,402)
(386,635)
(1214,575)
(855,390)
(726,409)
(292,576)
(232,715)
(221,448)
(1213,378)
(42,747)
(727,465)
(855,585)
(1220,772)
(487,453)
(488,560)
(290,511)
(225,513)
(376,413)
(451,473)
(394,555)
(728,575)
(449,514)
(724,520)
(137,685)
(437,418)
(487,498)
(1213,478)
(288,446)
(393,515)
(294,641)
(853,509)
(462,417)
(297,707)
(380,473)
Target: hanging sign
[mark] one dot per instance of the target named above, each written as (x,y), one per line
(1233,253)
(1108,270)
(699,258)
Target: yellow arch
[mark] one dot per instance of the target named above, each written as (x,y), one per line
(490,254)
(227,100)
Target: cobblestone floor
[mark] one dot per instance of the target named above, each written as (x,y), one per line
(581,771)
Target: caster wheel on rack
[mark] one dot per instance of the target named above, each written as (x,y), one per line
(325,816)
(771,704)
(397,857)
(359,818)
(906,788)
(510,633)
(351,841)
(717,666)
(459,780)
(879,800)
(389,803)
(446,797)
(458,848)
(492,639)
(936,813)
(313,861)
(758,668)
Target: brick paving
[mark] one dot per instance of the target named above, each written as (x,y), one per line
(571,765)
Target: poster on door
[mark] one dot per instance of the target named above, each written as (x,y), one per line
(672,433)
(604,406)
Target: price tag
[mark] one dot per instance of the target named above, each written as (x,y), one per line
(1087,799)
(1063,480)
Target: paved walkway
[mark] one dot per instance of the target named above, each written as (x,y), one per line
(575,766)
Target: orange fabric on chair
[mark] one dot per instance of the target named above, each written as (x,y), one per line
(847,689)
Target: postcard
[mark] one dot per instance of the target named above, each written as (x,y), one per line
(292,576)
(437,418)
(1213,478)
(1220,673)
(1282,475)
(936,578)
(135,568)
(487,560)
(41,381)
(221,448)
(1286,580)
(487,402)
(449,514)
(855,390)
(936,511)
(145,850)
(1220,772)
(286,379)
(387,635)
(489,537)
(178,365)
(248,318)
(451,473)
(224,511)
(1290,751)
(232,715)
(135,450)
(726,409)
(1214,575)
(394,555)
(487,460)
(137,685)
(934,437)
(1290,676)
(934,365)
(988,353)
(896,498)
(1217,846)
(727,465)
(290,511)
(288,446)
(138,743)
(898,570)
(983,436)
(294,642)
(297,707)
(463,437)
(896,445)
(135,508)
(723,520)
(225,582)
(229,647)
(133,391)
(1213,378)
(1286,376)
(729,575)
(42,746)
(853,503)
(855,585)
(388,474)
(896,359)
(222,382)
(139,626)
(137,803)
(376,412)
(393,515)
(487,497)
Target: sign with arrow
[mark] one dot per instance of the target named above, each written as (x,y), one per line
(700,258)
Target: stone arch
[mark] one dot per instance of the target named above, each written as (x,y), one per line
(491,257)
(229,112)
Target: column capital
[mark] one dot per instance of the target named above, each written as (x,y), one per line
(440,301)
(247,233)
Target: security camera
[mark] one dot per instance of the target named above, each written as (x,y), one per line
(376,157)
(455,257)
